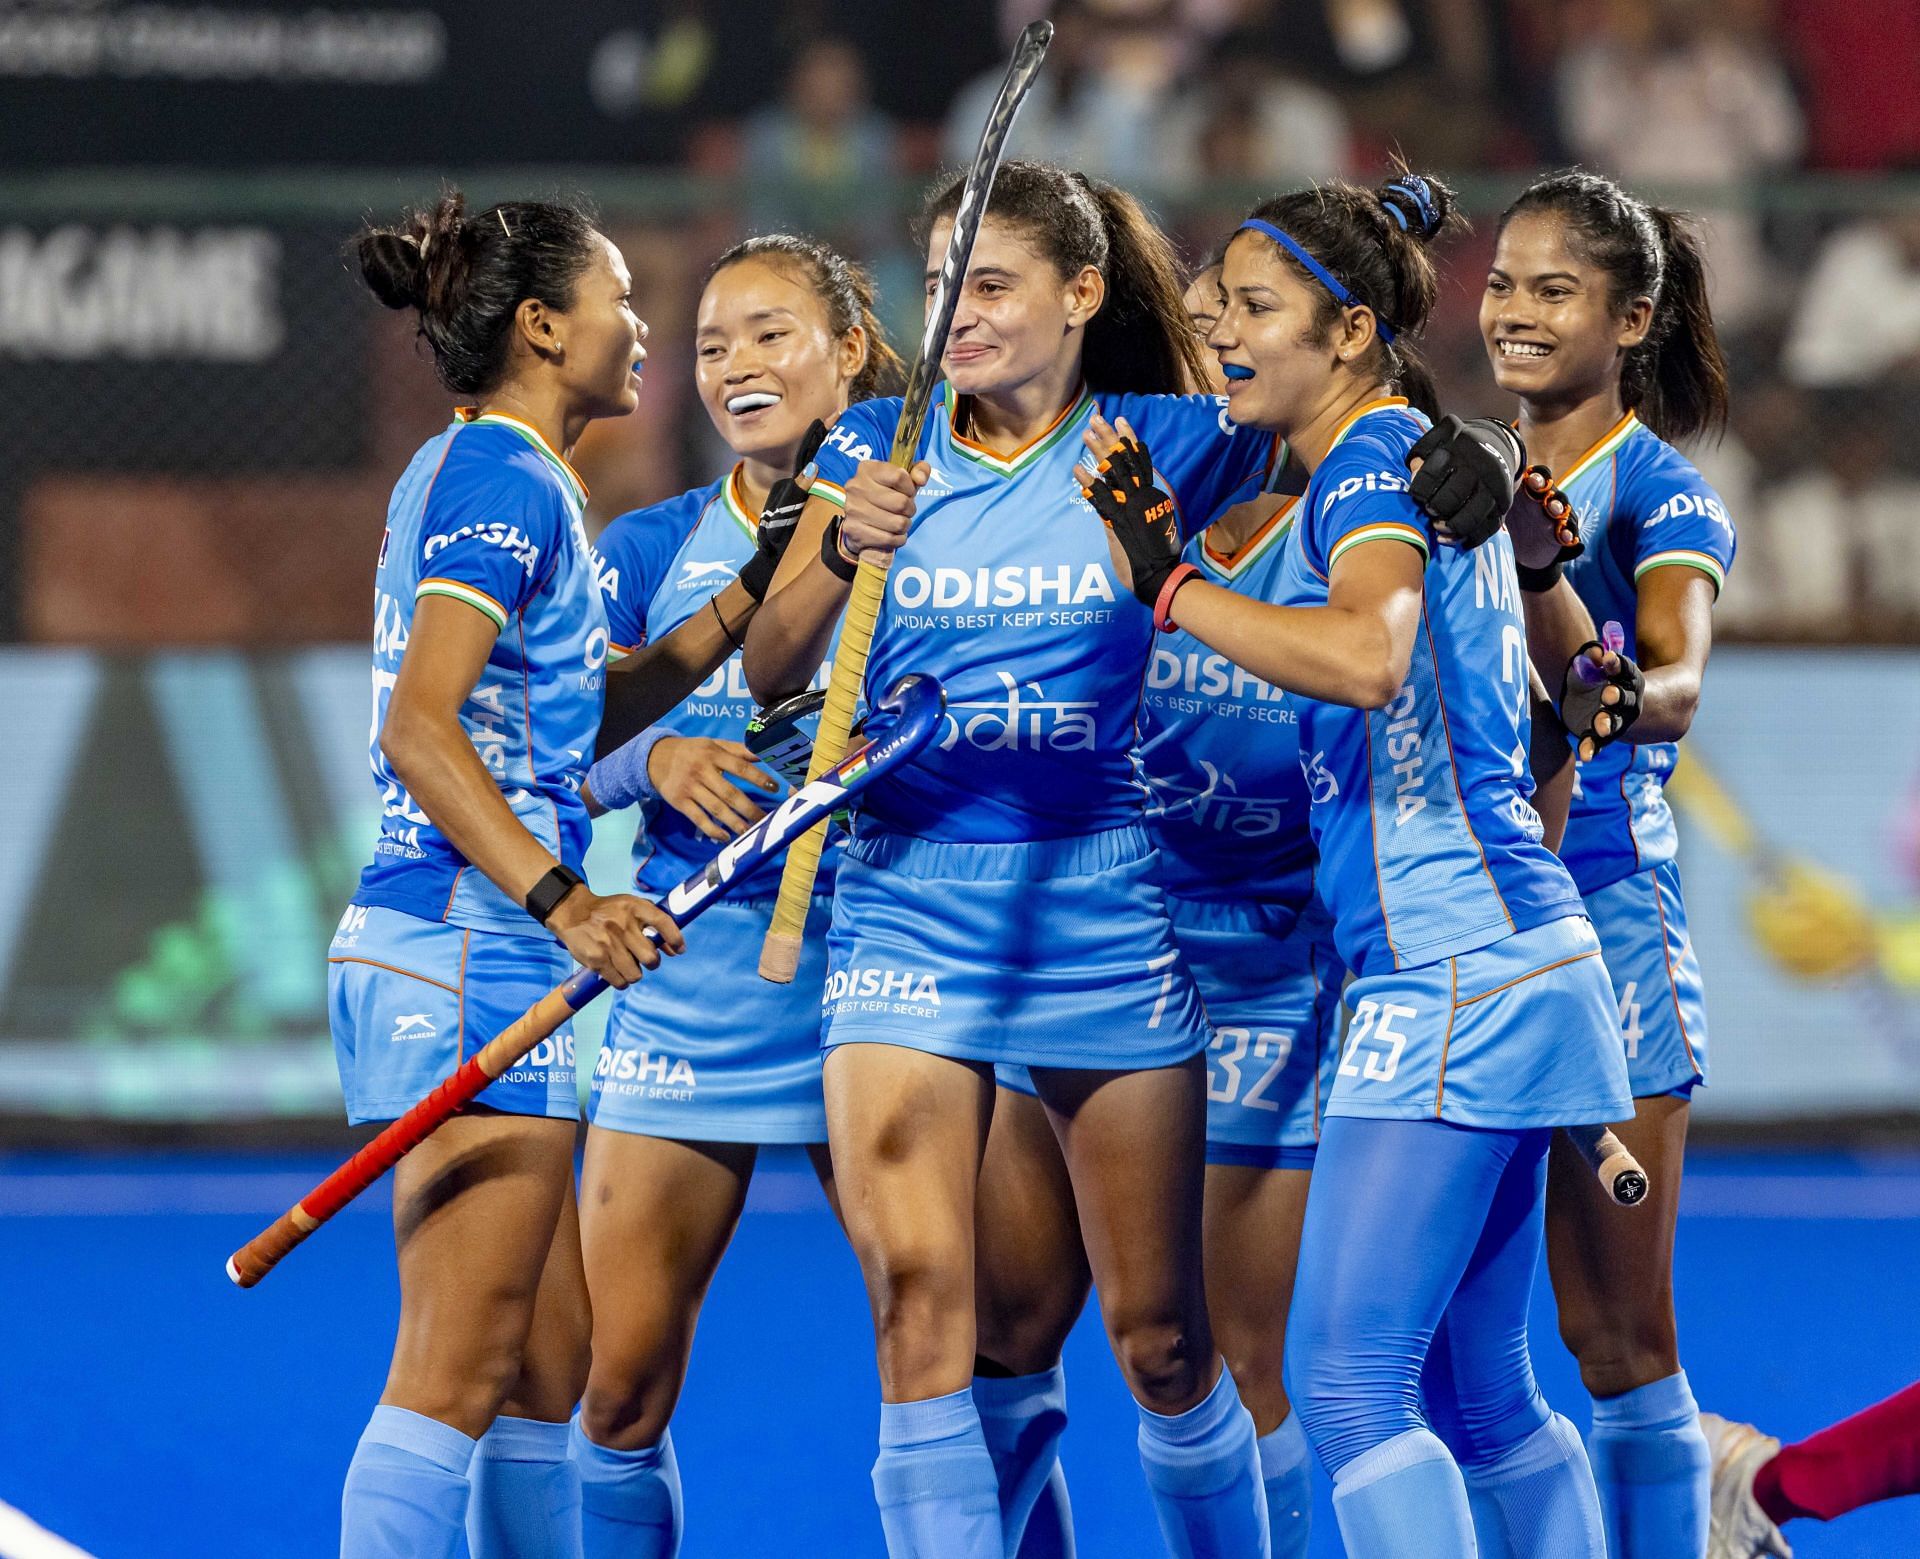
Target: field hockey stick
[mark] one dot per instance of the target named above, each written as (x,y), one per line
(1621,1176)
(911,712)
(780,953)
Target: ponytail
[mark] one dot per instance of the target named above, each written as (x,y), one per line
(1675,380)
(1140,341)
(845,291)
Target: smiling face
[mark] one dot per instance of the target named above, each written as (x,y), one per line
(1280,364)
(1017,318)
(601,337)
(1548,318)
(1203,303)
(766,359)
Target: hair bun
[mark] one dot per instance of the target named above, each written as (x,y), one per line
(395,267)
(1418,206)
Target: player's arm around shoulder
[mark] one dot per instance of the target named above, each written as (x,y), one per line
(1354,650)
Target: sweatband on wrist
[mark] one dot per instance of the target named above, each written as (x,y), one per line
(1163,604)
(620,779)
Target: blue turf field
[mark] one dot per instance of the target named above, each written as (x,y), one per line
(149,1410)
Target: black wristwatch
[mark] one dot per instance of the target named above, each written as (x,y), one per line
(544,897)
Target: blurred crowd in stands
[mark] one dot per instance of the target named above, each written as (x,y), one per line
(1708,100)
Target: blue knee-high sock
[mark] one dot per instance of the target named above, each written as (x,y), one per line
(406,1493)
(1203,1470)
(1284,1458)
(629,1500)
(1537,1500)
(1022,1418)
(526,1493)
(1652,1468)
(1404,1500)
(1049,1533)
(934,1481)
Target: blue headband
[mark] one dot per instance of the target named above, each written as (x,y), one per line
(1325,277)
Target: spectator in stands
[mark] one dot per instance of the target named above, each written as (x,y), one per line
(1866,273)
(1101,105)
(823,131)
(1687,92)
(1242,115)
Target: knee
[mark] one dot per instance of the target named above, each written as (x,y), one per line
(1024,1332)
(922,1300)
(1164,1351)
(625,1413)
(463,1386)
(1620,1349)
(1350,1396)
(1256,1355)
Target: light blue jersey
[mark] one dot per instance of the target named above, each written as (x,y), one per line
(1227,813)
(1642,506)
(998,901)
(705,1050)
(1429,843)
(1005,591)
(487,514)
(1220,752)
(659,566)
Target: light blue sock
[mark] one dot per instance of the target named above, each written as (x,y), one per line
(1653,1471)
(934,1481)
(629,1500)
(1285,1470)
(1538,1499)
(1203,1470)
(526,1494)
(1404,1500)
(1021,1418)
(1049,1533)
(406,1493)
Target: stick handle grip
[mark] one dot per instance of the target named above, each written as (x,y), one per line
(261,1254)
(780,952)
(1619,1172)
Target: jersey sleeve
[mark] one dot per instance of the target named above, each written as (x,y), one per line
(1361,496)
(494,547)
(1686,526)
(1208,460)
(635,552)
(864,431)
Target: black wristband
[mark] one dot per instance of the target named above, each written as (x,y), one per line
(838,563)
(544,897)
(1538,581)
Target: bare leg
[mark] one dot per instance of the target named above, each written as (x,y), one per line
(1612,1266)
(1252,1230)
(475,1209)
(1031,1284)
(1613,1277)
(1032,1275)
(1134,1144)
(656,1217)
(908,1131)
